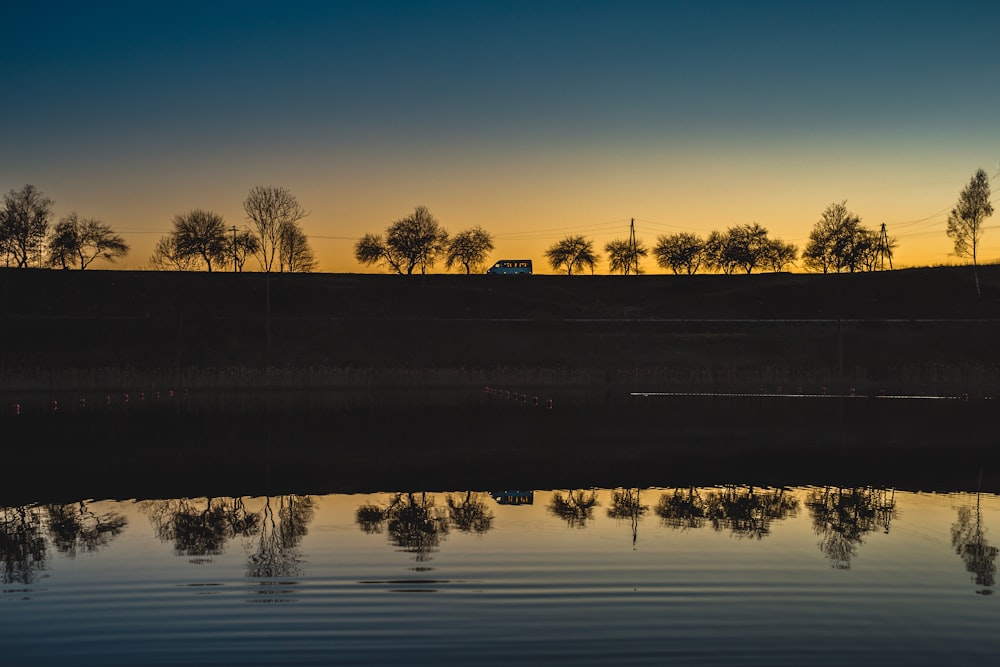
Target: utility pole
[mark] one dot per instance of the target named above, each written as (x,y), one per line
(233,230)
(633,249)
(883,249)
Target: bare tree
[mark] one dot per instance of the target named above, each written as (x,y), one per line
(717,253)
(468,249)
(414,241)
(79,242)
(838,242)
(294,253)
(778,254)
(372,249)
(681,253)
(573,252)
(623,257)
(201,234)
(166,257)
(24,223)
(965,223)
(242,244)
(269,210)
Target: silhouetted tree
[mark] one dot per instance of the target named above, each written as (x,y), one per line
(470,514)
(200,234)
(270,210)
(838,242)
(24,223)
(576,508)
(778,254)
(414,241)
(166,256)
(468,249)
(242,245)
(572,253)
(294,253)
(623,257)
(681,253)
(745,247)
(79,242)
(965,223)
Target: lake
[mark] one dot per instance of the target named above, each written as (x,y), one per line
(764,530)
(710,575)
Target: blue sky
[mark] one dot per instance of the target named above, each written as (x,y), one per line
(532,119)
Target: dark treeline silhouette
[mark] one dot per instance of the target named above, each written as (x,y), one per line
(838,242)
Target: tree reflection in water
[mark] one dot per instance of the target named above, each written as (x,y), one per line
(470,514)
(969,539)
(274,547)
(272,534)
(22,544)
(75,527)
(625,505)
(417,526)
(842,518)
(576,508)
(747,512)
(199,532)
(414,524)
(682,510)
(72,528)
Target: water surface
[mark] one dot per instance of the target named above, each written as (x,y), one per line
(707,575)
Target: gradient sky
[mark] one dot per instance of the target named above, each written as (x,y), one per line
(531,119)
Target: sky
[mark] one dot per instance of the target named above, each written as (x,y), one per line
(533,120)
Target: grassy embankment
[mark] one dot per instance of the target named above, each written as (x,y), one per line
(912,330)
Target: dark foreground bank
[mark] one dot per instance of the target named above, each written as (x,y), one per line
(913,330)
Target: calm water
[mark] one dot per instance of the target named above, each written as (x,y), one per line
(726,574)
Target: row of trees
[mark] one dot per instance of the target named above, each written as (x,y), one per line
(27,236)
(200,239)
(418,241)
(837,243)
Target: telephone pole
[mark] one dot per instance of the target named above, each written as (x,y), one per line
(233,230)
(633,249)
(883,250)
